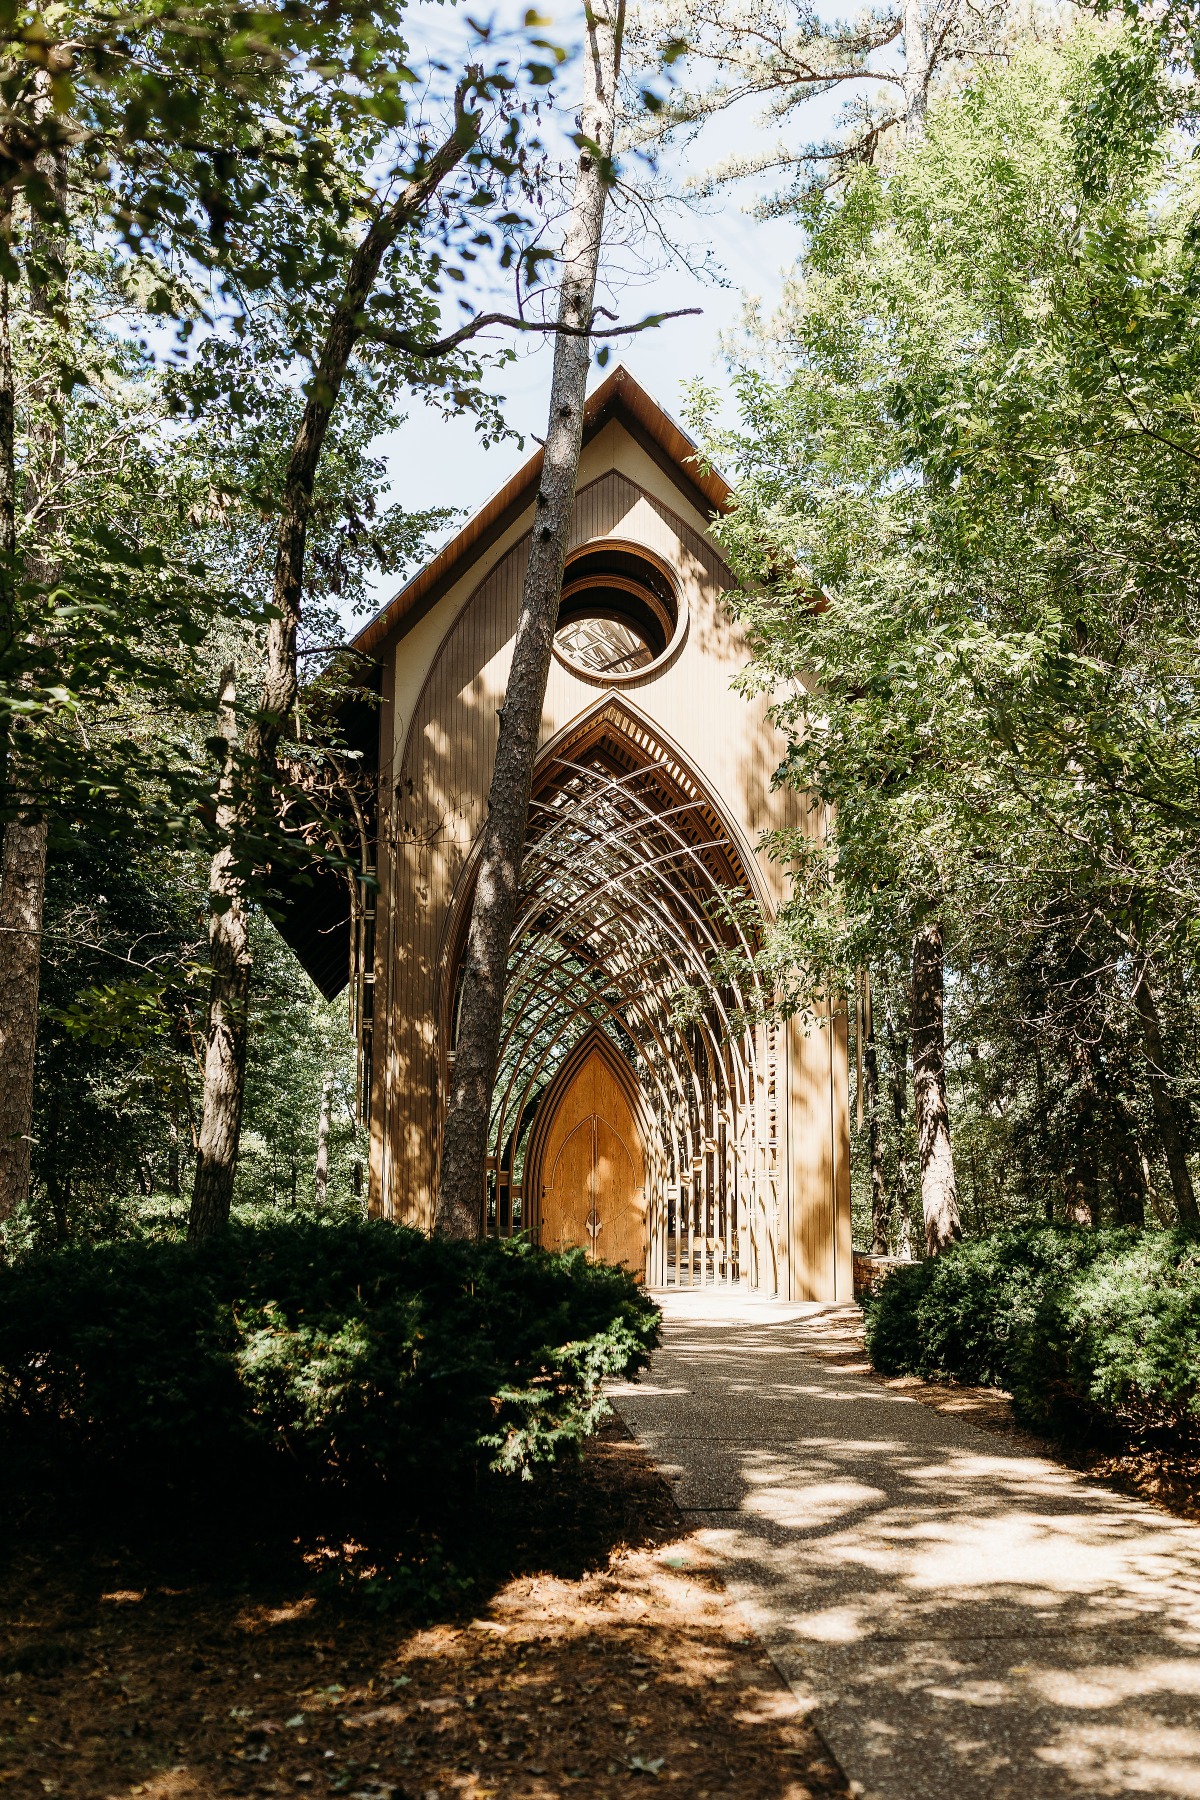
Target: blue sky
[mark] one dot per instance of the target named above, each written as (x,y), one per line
(437,462)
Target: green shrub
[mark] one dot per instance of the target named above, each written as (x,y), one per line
(1091,1331)
(358,1355)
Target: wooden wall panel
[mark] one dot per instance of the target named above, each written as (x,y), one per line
(444,773)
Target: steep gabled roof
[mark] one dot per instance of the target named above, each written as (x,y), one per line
(313,913)
(619,397)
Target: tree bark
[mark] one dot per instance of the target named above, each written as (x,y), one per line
(918,68)
(939,1194)
(1125,1166)
(1081,1180)
(879,1205)
(898,1057)
(321,1173)
(493,912)
(23,853)
(229,993)
(1161,1093)
(22,887)
(252,780)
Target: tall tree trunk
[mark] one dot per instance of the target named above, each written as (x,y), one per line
(321,1173)
(173,1161)
(1125,1165)
(493,911)
(1161,1093)
(1081,1177)
(23,854)
(898,1057)
(879,1205)
(254,769)
(917,69)
(939,1194)
(229,993)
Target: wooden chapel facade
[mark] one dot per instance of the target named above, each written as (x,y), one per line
(644,1108)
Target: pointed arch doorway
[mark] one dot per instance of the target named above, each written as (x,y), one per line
(588,1159)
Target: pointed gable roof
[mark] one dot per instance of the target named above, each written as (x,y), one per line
(618,397)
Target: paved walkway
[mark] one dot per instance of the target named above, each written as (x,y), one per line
(966,1622)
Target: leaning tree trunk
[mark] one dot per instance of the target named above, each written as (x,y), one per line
(251,773)
(321,1173)
(23,854)
(494,908)
(1161,1093)
(879,1206)
(939,1194)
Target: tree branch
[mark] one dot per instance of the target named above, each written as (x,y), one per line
(412,346)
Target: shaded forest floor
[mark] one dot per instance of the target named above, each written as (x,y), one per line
(594,1652)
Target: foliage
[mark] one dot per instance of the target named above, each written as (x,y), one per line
(1090,1331)
(969,550)
(123,989)
(350,1355)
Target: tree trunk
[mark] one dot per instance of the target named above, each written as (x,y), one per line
(23,853)
(1125,1167)
(1161,1084)
(879,1206)
(173,1161)
(493,912)
(917,69)
(939,1195)
(898,1056)
(22,887)
(1081,1179)
(229,993)
(252,773)
(321,1175)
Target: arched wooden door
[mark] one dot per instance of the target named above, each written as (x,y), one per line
(594,1171)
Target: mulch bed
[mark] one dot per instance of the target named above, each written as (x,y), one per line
(596,1655)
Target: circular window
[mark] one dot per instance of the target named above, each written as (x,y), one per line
(619,617)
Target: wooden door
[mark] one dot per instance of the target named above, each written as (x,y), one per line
(594,1171)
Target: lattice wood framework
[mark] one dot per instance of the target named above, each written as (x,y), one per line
(637,920)
(644,883)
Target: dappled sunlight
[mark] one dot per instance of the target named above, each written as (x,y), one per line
(599,1658)
(966,1620)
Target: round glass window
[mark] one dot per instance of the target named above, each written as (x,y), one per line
(618,617)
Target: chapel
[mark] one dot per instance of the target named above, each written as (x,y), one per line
(648,1107)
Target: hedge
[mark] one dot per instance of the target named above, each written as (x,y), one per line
(357,1355)
(1092,1332)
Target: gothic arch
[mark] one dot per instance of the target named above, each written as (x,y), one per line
(639,917)
(645,887)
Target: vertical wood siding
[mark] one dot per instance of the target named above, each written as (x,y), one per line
(444,771)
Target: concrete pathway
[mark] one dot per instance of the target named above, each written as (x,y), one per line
(965,1621)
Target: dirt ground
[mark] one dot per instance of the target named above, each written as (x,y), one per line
(591,1651)
(601,1658)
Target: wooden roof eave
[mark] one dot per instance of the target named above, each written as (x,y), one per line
(619,396)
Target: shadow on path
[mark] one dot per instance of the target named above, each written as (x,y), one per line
(965,1619)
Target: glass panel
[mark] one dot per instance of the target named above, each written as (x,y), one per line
(604,646)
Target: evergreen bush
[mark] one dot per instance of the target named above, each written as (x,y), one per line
(1092,1332)
(361,1355)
